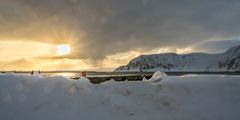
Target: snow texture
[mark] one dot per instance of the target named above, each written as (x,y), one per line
(191,97)
(158,76)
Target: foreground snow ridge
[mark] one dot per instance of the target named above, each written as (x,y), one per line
(189,97)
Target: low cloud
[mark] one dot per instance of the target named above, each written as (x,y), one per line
(45,64)
(216,46)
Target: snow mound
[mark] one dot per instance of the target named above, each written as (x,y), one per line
(158,76)
(180,98)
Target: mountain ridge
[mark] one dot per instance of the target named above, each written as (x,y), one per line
(227,61)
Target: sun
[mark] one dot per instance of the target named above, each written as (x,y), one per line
(63,49)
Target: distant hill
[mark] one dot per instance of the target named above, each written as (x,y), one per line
(228,61)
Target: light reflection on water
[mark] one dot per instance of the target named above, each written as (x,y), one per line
(67,75)
(75,75)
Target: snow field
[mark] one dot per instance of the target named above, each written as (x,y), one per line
(191,97)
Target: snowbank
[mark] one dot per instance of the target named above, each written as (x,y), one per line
(158,76)
(178,98)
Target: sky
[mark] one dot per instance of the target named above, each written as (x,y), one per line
(104,34)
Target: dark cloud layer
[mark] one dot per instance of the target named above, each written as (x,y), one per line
(216,46)
(102,27)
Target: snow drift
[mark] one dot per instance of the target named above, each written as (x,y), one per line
(158,76)
(189,97)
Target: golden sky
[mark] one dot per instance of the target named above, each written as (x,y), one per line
(28,55)
(105,34)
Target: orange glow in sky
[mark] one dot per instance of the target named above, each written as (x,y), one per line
(14,50)
(28,55)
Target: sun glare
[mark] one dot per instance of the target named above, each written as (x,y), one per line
(63,49)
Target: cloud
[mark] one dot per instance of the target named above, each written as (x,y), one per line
(99,28)
(216,46)
(45,64)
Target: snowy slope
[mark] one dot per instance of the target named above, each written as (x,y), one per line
(228,61)
(231,59)
(173,98)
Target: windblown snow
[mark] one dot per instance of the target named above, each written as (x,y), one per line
(191,97)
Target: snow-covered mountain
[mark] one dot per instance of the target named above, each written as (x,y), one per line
(228,61)
(231,59)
